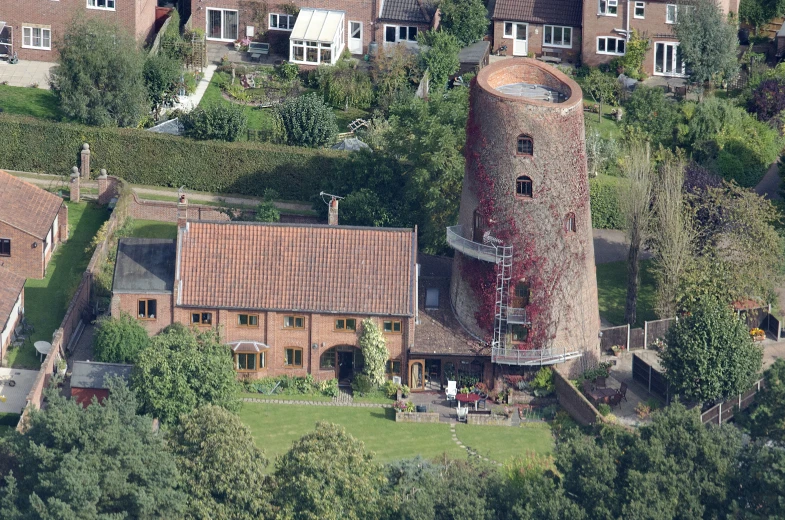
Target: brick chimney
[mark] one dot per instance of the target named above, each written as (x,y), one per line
(332,213)
(74,184)
(85,161)
(182,210)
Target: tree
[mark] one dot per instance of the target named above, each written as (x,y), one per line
(649,110)
(328,474)
(161,77)
(307,121)
(99,78)
(758,483)
(710,354)
(119,340)
(181,370)
(602,88)
(759,12)
(219,121)
(440,57)
(768,99)
(708,42)
(103,461)
(767,420)
(224,469)
(374,350)
(635,200)
(467,20)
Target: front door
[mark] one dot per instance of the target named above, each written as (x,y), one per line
(356,37)
(520,44)
(668,60)
(417,374)
(345,365)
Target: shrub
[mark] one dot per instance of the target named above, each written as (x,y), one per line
(466,19)
(161,77)
(307,121)
(343,85)
(604,409)
(605,210)
(652,112)
(542,384)
(288,71)
(440,58)
(329,387)
(362,384)
(221,121)
(119,340)
(391,389)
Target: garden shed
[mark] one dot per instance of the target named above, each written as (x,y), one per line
(317,37)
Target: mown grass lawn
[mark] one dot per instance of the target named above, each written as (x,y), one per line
(275,427)
(153,229)
(27,101)
(47,300)
(612,292)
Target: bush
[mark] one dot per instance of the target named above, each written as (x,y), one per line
(161,77)
(221,121)
(605,209)
(466,19)
(652,112)
(343,85)
(604,409)
(119,340)
(288,71)
(307,121)
(542,384)
(142,157)
(362,384)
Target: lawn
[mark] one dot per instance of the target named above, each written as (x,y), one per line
(47,300)
(153,229)
(275,427)
(27,101)
(612,292)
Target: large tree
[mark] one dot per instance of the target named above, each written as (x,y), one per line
(103,461)
(181,370)
(757,488)
(604,89)
(99,78)
(224,469)
(466,19)
(707,40)
(440,57)
(767,419)
(710,354)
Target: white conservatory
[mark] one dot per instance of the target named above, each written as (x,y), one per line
(317,37)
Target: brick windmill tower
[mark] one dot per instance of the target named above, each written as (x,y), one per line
(523,274)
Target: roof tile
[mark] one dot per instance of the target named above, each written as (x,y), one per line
(562,12)
(27,207)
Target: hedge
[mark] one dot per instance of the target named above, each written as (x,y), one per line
(142,157)
(605,210)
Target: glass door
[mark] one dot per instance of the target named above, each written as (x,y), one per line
(520,45)
(668,60)
(356,37)
(222,24)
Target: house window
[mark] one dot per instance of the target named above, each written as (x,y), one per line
(391,326)
(147,309)
(201,318)
(432,298)
(346,324)
(525,145)
(100,4)
(640,10)
(399,33)
(248,320)
(569,223)
(519,333)
(508,28)
(671,13)
(37,38)
(293,357)
(311,52)
(520,297)
(557,36)
(327,360)
(245,362)
(608,7)
(393,367)
(5,247)
(293,322)
(282,22)
(523,187)
(222,24)
(609,45)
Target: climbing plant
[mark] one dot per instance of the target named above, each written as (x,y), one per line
(374,351)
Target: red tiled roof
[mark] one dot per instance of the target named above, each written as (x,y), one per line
(563,12)
(27,207)
(10,287)
(334,269)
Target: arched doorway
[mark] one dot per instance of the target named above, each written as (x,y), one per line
(345,360)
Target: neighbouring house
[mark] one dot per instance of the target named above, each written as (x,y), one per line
(550,28)
(31,29)
(12,306)
(288,298)
(314,32)
(89,379)
(32,223)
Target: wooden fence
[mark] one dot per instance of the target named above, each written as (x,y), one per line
(723,412)
(651,378)
(635,338)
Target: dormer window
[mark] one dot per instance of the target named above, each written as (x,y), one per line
(525,145)
(523,187)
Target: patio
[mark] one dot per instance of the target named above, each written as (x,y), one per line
(636,393)
(216,52)
(15,396)
(437,402)
(26,73)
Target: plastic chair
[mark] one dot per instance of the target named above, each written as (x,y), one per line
(463,413)
(623,391)
(452,390)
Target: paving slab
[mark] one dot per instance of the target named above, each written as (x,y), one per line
(15,396)
(26,73)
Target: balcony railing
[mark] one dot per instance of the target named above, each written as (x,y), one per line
(546,356)
(516,315)
(456,240)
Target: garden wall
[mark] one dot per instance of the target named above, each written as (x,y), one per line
(163,160)
(417,417)
(572,400)
(489,420)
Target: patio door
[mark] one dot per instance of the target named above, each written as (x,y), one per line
(222,24)
(356,37)
(668,60)
(520,44)
(417,374)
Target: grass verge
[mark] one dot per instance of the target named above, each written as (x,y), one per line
(27,101)
(153,229)
(612,292)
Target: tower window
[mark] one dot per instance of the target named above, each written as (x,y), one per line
(569,223)
(523,186)
(525,145)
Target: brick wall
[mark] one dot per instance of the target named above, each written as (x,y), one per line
(25,260)
(11,326)
(135,16)
(535,36)
(572,400)
(129,303)
(417,417)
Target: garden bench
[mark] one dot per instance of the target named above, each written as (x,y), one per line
(257,49)
(551,56)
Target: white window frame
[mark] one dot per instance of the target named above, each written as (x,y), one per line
(604,7)
(398,38)
(223,23)
(639,5)
(675,13)
(510,34)
(28,41)
(290,18)
(553,31)
(616,45)
(109,5)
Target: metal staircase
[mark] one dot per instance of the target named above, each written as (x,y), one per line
(503,274)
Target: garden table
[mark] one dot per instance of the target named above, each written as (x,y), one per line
(43,348)
(468,398)
(601,395)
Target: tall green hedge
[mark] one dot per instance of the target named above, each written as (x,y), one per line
(142,157)
(605,210)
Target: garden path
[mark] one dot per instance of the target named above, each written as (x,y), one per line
(610,245)
(769,185)
(188,103)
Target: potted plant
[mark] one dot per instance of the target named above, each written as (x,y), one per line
(61,367)
(617,350)
(757,334)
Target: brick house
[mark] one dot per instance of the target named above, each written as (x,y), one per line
(288,299)
(35,26)
(32,223)
(12,306)
(533,26)
(325,29)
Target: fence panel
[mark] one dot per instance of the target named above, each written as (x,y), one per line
(614,336)
(637,339)
(657,329)
(723,412)
(649,377)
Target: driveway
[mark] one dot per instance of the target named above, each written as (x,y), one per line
(26,73)
(15,396)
